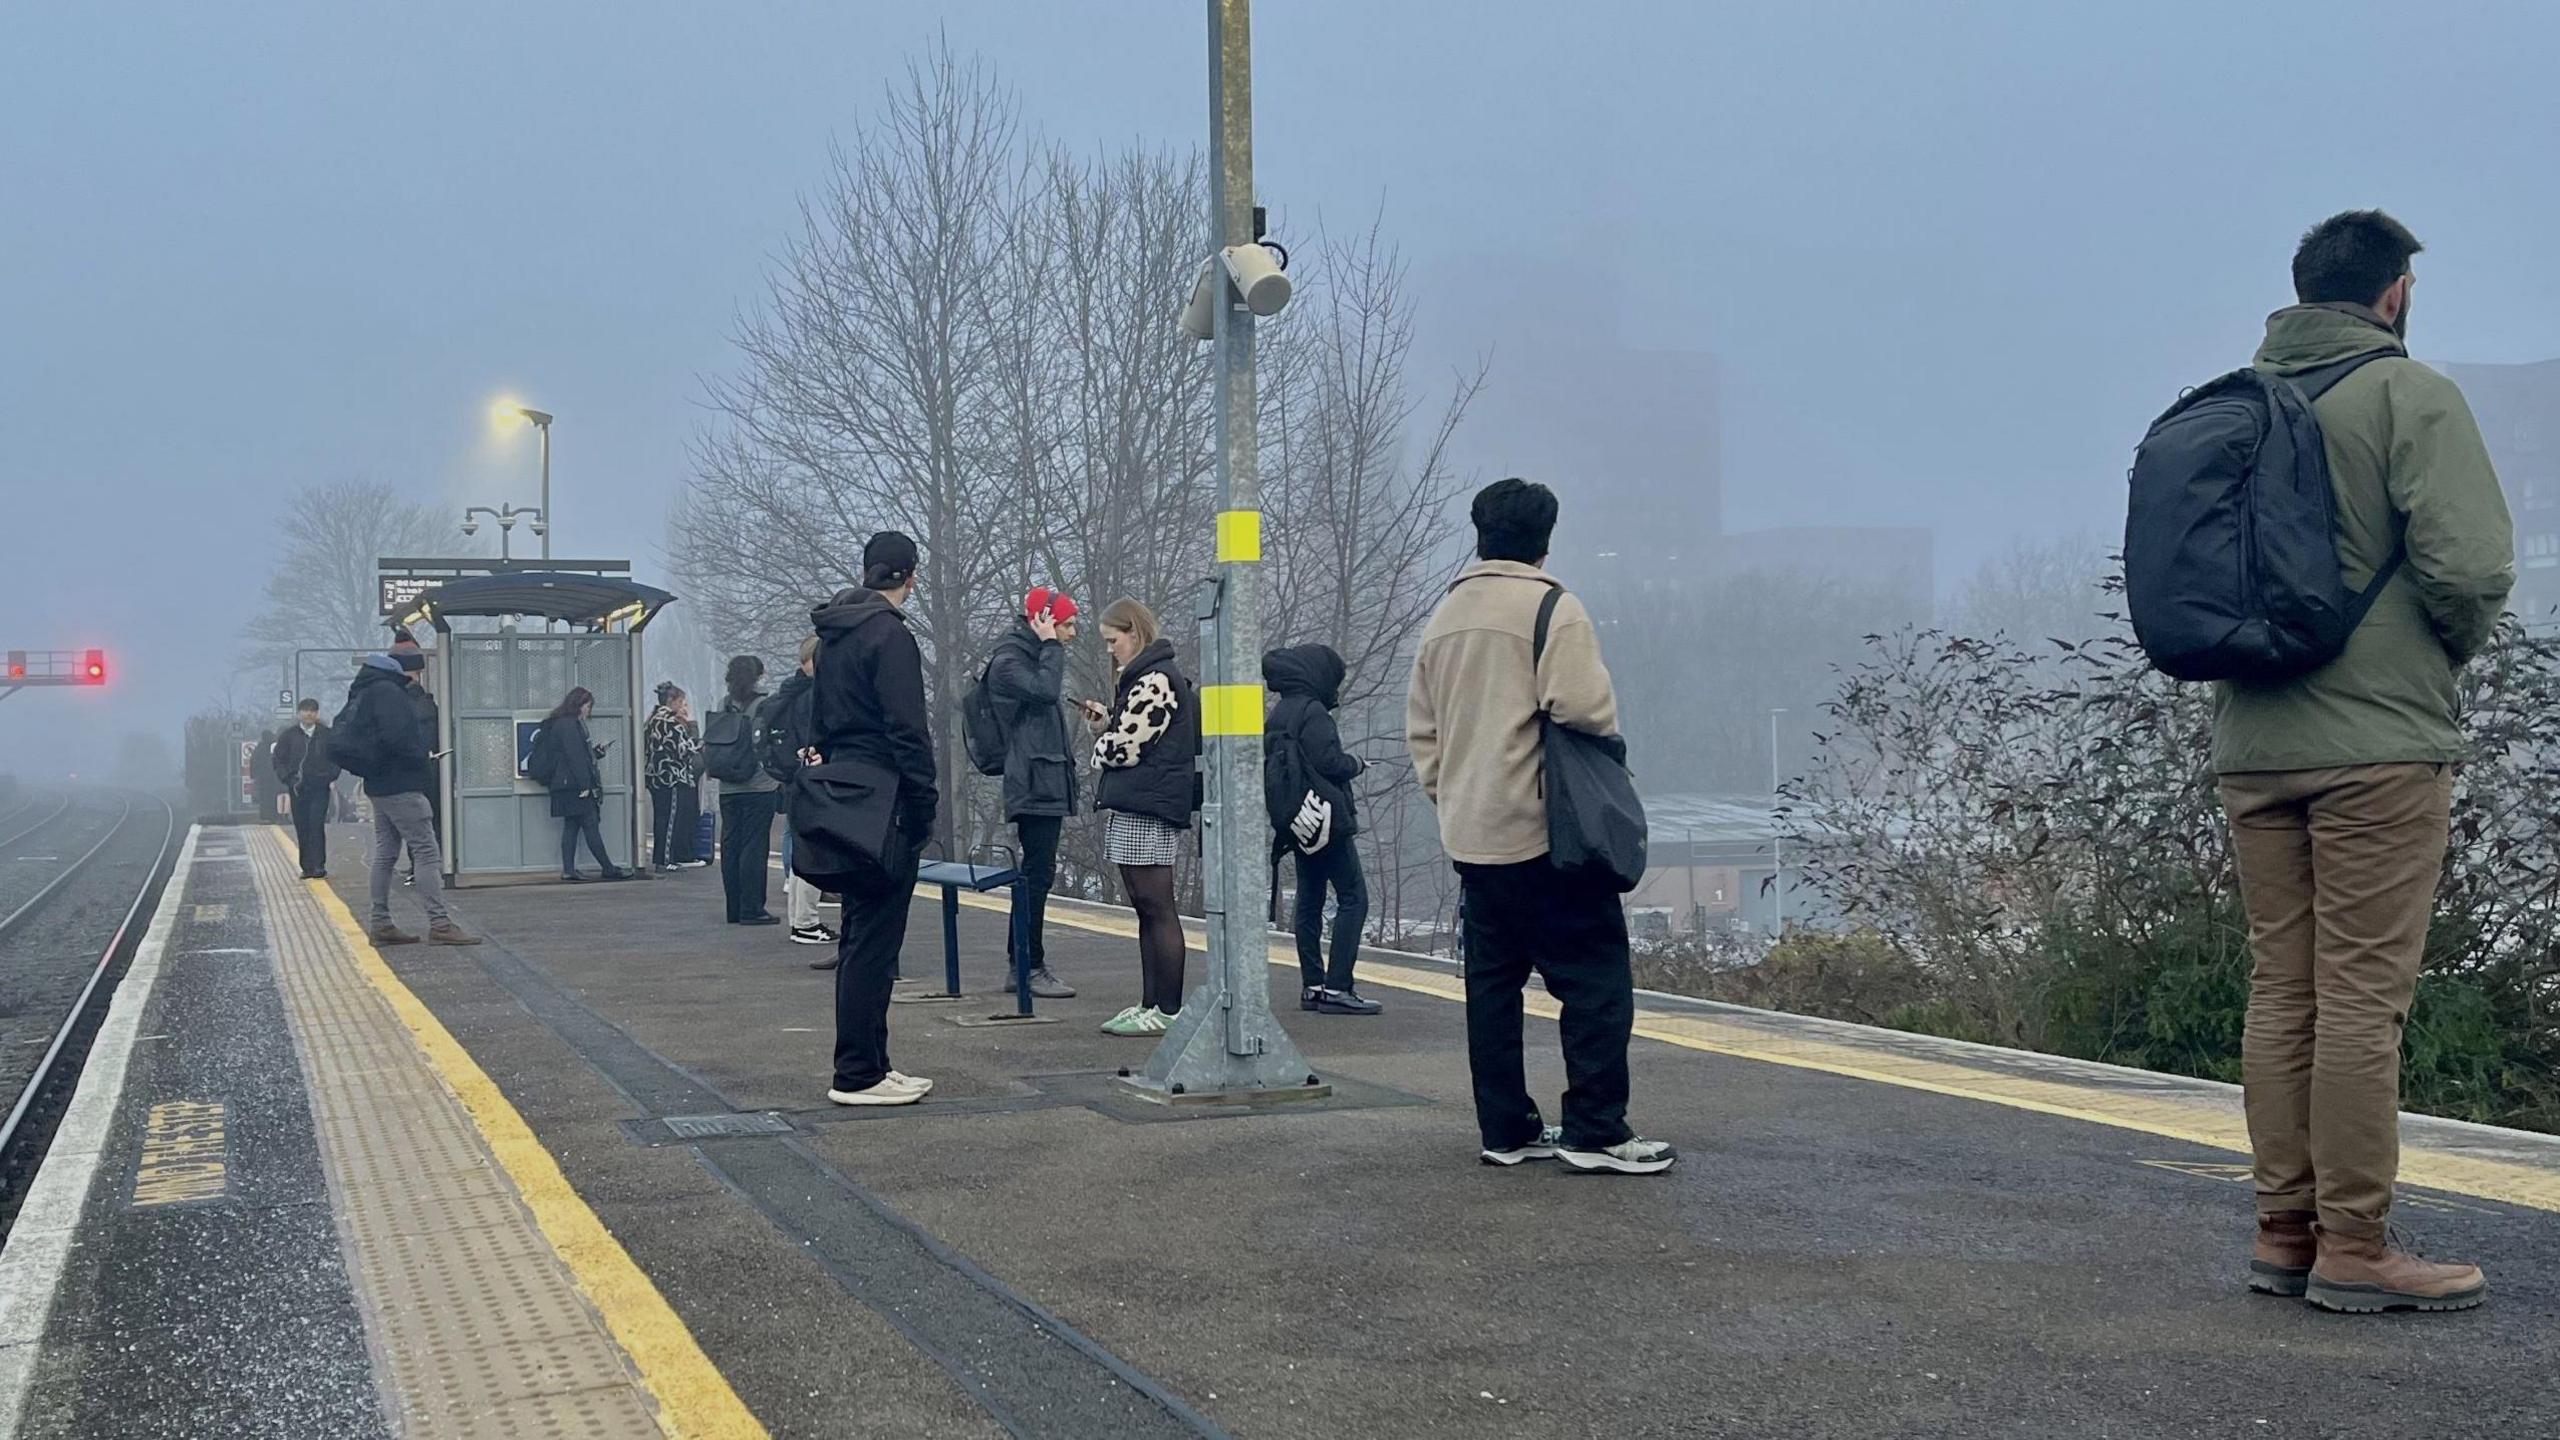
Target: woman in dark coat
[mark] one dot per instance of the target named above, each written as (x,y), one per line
(577,787)
(1148,752)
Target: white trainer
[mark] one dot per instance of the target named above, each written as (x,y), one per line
(887,1091)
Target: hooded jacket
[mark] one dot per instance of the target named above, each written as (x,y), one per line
(1027,676)
(1149,753)
(386,718)
(673,750)
(868,702)
(1471,717)
(1307,681)
(2408,467)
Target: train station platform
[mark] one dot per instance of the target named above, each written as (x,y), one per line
(583,1179)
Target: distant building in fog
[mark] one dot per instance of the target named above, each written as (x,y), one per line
(2518,407)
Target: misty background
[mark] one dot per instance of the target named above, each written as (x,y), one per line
(1775,273)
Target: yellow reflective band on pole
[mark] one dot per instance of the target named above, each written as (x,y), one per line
(1240,543)
(1230,709)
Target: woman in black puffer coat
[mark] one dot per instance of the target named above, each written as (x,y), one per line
(1149,753)
(577,787)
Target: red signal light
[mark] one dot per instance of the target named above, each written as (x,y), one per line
(17,664)
(93,667)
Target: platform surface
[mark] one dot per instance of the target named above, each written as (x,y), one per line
(1870,1234)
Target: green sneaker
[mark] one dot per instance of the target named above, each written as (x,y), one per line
(1131,1021)
(1156,1021)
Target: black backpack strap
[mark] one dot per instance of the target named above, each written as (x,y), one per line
(1546,616)
(2320,380)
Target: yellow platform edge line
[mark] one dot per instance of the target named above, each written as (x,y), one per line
(2477,1177)
(695,1401)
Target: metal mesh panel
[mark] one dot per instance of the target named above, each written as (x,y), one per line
(483,674)
(547,672)
(604,667)
(485,752)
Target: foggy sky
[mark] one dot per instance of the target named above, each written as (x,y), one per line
(1950,259)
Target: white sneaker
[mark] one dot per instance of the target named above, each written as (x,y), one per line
(1638,1156)
(917,1083)
(886,1092)
(1549,1141)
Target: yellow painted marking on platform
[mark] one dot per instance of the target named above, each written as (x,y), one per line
(206,914)
(1230,709)
(1239,537)
(2175,1116)
(694,1398)
(185,1150)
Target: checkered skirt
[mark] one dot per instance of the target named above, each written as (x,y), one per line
(1139,840)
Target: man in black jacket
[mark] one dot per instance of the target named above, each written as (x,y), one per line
(869,706)
(431,724)
(381,725)
(1027,677)
(300,758)
(1307,679)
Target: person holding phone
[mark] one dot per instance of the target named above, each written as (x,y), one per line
(1027,677)
(576,785)
(1148,751)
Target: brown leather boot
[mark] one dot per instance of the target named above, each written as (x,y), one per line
(2280,1263)
(387,933)
(2366,1277)
(445,932)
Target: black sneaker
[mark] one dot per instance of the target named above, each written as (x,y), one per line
(1345,1002)
(762,920)
(1550,1140)
(573,878)
(1636,1156)
(812,935)
(1308,997)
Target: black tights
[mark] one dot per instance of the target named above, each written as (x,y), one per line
(1160,949)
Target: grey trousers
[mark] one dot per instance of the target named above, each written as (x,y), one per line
(406,820)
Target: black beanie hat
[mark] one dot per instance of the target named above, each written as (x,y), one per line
(888,560)
(1514,520)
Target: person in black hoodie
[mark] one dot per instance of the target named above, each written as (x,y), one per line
(576,786)
(301,760)
(868,704)
(1027,676)
(404,647)
(1149,755)
(1323,818)
(380,723)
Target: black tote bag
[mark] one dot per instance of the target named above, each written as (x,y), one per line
(1595,821)
(844,817)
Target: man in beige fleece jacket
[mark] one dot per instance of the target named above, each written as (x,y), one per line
(1472,719)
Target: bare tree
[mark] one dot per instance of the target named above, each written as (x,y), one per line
(2039,590)
(322,591)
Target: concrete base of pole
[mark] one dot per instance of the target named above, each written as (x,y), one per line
(1230,1047)
(1309,1088)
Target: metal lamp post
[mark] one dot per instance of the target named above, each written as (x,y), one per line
(507,516)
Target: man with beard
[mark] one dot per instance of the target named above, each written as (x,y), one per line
(2339,783)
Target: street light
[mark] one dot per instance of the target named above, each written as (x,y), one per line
(507,410)
(507,516)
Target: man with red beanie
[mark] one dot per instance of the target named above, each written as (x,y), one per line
(1027,679)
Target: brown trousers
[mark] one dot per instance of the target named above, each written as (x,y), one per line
(2338,870)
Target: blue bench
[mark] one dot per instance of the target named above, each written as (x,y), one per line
(955,876)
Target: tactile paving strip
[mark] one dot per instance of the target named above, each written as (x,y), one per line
(479,1329)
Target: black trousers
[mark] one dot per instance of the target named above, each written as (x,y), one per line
(746,841)
(591,826)
(1573,933)
(675,813)
(1039,835)
(1336,867)
(311,826)
(874,931)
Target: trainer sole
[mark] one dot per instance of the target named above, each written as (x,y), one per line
(894,1095)
(1508,1158)
(2375,1300)
(1589,1162)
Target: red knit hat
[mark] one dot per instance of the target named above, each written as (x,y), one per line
(1060,608)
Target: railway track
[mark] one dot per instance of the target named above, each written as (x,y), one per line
(71,922)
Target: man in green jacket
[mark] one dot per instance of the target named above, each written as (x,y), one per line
(2339,784)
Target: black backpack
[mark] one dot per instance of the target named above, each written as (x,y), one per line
(729,745)
(1595,819)
(2230,538)
(982,726)
(542,760)
(1289,787)
(352,743)
(785,733)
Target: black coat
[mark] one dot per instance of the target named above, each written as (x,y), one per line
(577,787)
(1307,681)
(1027,676)
(868,703)
(785,724)
(385,718)
(1149,753)
(302,762)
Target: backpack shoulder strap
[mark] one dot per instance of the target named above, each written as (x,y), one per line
(1546,617)
(2317,382)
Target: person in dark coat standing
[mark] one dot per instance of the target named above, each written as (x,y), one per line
(672,746)
(576,785)
(300,758)
(868,704)
(380,723)
(1027,677)
(405,647)
(1148,753)
(1307,679)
